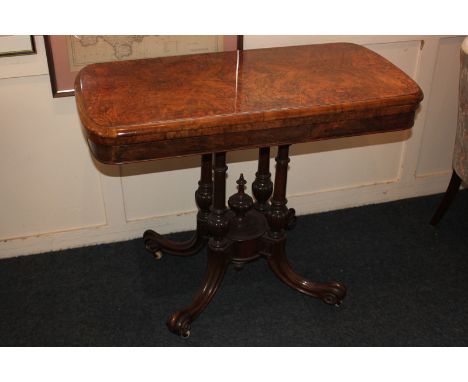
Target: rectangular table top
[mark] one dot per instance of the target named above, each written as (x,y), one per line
(162,107)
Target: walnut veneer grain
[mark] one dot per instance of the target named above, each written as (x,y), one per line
(171,106)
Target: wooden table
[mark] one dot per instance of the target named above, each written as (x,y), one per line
(211,103)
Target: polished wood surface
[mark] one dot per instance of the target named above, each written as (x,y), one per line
(202,103)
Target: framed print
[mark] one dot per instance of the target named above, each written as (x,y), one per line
(66,55)
(17,45)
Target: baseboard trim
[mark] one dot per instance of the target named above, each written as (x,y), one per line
(314,202)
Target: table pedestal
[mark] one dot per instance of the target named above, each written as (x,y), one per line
(239,234)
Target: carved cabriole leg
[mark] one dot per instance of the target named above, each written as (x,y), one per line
(181,321)
(330,293)
(155,242)
(219,255)
(275,239)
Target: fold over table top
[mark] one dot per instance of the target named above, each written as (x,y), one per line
(171,106)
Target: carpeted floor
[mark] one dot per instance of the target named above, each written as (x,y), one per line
(407,286)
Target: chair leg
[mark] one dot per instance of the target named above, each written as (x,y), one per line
(452,190)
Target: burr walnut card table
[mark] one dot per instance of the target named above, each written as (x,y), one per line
(208,104)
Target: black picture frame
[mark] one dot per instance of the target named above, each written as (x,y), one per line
(31,50)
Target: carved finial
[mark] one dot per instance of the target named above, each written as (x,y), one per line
(241,184)
(240,202)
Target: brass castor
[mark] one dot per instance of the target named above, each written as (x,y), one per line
(185,334)
(158,255)
(155,251)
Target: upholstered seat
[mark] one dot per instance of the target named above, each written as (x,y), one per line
(460,153)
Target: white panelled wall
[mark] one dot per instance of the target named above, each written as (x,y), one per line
(54,196)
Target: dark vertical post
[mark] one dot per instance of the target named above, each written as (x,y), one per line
(278,214)
(220,168)
(204,193)
(262,187)
(452,189)
(217,222)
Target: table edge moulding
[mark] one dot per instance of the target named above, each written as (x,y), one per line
(133,112)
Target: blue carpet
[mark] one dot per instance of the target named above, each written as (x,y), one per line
(406,280)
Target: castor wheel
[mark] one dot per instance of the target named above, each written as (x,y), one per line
(331,299)
(155,251)
(334,295)
(238,266)
(185,334)
(180,324)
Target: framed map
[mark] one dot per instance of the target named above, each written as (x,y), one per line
(66,55)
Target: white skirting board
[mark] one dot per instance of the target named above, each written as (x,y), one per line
(322,201)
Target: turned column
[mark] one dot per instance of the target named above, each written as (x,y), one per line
(262,187)
(217,221)
(278,215)
(204,194)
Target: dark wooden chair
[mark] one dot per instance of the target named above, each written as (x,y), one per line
(460,153)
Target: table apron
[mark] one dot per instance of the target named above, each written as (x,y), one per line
(119,154)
